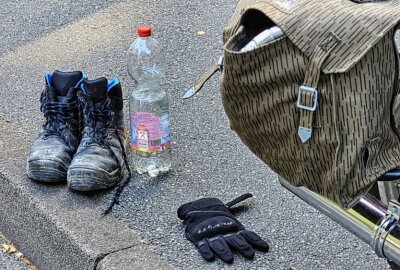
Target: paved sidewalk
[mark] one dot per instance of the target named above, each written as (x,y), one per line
(10,258)
(60,229)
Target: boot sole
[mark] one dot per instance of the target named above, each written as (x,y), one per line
(83,179)
(43,171)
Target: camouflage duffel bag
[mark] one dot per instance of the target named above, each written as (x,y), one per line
(320,104)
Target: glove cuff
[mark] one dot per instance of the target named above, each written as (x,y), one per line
(201,204)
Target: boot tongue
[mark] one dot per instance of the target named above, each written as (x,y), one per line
(52,94)
(63,81)
(69,97)
(96,89)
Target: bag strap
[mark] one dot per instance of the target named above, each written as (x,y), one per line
(217,66)
(307,99)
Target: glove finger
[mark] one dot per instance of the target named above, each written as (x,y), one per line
(240,244)
(255,240)
(221,249)
(205,250)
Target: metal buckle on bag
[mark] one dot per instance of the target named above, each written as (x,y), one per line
(221,63)
(314,91)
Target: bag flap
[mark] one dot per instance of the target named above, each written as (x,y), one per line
(359,26)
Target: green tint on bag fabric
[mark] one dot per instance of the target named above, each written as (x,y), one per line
(346,51)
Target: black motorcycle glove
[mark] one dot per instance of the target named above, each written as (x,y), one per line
(214,230)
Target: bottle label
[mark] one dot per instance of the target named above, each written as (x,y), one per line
(149,132)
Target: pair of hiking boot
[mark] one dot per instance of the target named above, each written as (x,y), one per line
(82,140)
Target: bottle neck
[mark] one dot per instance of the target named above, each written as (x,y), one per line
(145,38)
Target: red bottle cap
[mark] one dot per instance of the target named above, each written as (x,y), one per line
(144,31)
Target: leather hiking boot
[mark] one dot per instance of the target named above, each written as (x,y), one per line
(100,161)
(52,151)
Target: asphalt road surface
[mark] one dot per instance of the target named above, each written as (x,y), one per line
(9,261)
(208,158)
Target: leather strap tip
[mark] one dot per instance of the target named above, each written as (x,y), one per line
(304,134)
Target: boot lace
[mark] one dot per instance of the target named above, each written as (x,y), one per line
(58,117)
(99,119)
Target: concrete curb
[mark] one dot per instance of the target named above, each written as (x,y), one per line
(60,229)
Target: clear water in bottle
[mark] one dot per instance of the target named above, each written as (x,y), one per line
(149,107)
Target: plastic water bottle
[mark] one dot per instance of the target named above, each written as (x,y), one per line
(150,135)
